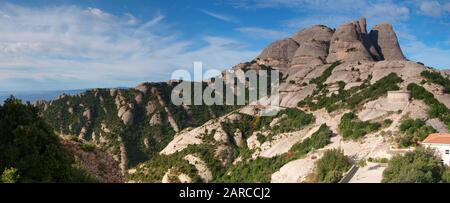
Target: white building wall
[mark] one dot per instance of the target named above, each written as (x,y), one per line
(441,150)
(399,96)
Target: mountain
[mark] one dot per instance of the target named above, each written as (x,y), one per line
(33,96)
(346,88)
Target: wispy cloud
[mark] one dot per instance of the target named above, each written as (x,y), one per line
(435,56)
(220,16)
(257,32)
(72,47)
(431,8)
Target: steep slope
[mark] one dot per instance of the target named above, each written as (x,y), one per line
(130,124)
(349,89)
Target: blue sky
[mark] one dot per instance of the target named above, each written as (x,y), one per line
(73,44)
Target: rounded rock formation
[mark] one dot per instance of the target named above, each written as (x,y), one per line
(347,45)
(281,50)
(386,42)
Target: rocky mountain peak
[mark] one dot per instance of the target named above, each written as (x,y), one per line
(385,39)
(350,42)
(280,50)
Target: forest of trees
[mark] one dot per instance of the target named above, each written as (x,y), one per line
(29,149)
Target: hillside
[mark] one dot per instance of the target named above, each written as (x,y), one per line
(346,88)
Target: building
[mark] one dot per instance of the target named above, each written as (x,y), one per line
(399,96)
(441,143)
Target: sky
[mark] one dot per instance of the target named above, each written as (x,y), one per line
(76,44)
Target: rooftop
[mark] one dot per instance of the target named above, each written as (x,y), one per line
(437,138)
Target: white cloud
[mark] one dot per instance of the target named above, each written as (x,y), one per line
(258,32)
(386,12)
(431,8)
(69,47)
(334,12)
(430,55)
(220,16)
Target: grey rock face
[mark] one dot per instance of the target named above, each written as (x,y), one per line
(319,33)
(281,50)
(386,42)
(314,45)
(347,44)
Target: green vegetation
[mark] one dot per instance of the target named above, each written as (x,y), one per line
(446,176)
(261,169)
(331,167)
(291,119)
(318,140)
(378,160)
(414,131)
(352,128)
(295,120)
(437,109)
(372,92)
(327,73)
(248,170)
(387,122)
(88,147)
(254,171)
(30,151)
(437,78)
(10,175)
(66,116)
(362,163)
(419,166)
(353,97)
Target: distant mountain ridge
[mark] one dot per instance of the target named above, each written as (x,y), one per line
(342,88)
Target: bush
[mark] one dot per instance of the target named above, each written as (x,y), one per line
(261,138)
(319,139)
(30,147)
(437,78)
(419,166)
(387,122)
(381,87)
(414,132)
(327,73)
(446,176)
(88,147)
(10,175)
(331,167)
(437,109)
(295,120)
(350,98)
(352,128)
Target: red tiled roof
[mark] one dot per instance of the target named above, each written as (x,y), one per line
(438,138)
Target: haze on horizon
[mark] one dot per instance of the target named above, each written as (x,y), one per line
(68,44)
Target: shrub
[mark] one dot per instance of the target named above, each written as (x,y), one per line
(414,131)
(30,147)
(295,120)
(331,167)
(318,139)
(10,175)
(322,78)
(261,138)
(437,109)
(446,176)
(362,163)
(419,166)
(387,122)
(437,78)
(88,147)
(352,128)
